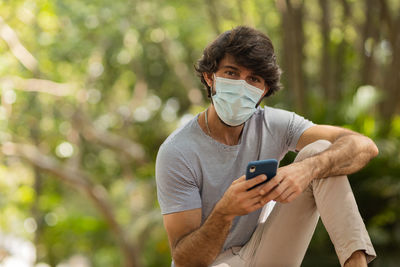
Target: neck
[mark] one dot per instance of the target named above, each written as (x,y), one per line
(219,131)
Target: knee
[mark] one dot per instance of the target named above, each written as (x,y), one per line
(312,149)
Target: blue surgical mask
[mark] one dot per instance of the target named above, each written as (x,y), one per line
(235,100)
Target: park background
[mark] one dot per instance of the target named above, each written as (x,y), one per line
(90,89)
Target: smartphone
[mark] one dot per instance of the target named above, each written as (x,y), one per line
(267,167)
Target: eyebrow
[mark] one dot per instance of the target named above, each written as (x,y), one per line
(237,69)
(230,67)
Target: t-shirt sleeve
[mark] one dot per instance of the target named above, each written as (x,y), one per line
(296,127)
(287,126)
(176,184)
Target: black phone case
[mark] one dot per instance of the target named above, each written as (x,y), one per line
(267,167)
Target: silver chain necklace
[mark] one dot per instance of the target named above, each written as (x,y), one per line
(208,128)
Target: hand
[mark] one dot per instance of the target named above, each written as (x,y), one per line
(289,182)
(238,201)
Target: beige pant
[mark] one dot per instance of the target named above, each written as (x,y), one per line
(282,240)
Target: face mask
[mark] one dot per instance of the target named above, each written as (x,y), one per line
(235,100)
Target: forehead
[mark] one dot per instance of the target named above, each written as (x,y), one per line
(229,61)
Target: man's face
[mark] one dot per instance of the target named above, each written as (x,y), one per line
(228,68)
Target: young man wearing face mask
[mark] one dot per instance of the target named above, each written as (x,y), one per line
(210,217)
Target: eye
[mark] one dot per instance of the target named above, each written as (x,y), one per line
(230,73)
(255,79)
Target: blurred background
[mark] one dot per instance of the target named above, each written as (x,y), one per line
(90,89)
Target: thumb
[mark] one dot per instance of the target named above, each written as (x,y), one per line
(241,179)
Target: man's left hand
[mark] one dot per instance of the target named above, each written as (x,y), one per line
(289,182)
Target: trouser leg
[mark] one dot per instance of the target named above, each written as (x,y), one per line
(340,215)
(282,240)
(284,237)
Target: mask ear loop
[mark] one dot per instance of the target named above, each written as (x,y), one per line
(213,83)
(261,98)
(213,86)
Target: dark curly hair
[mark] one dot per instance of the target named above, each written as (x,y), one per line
(250,48)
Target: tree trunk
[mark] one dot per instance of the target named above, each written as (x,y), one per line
(212,12)
(338,78)
(326,68)
(293,57)
(391,84)
(369,40)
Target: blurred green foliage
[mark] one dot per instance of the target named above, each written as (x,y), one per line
(98,85)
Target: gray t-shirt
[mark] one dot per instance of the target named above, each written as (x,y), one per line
(193,170)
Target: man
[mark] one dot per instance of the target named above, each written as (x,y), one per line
(210,217)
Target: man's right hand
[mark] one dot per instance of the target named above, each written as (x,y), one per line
(237,200)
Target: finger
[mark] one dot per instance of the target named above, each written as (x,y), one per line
(253,201)
(291,197)
(271,184)
(285,192)
(254,196)
(249,205)
(241,179)
(280,198)
(253,193)
(265,199)
(287,199)
(275,193)
(255,181)
(256,205)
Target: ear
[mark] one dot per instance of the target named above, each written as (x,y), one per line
(265,91)
(262,97)
(208,77)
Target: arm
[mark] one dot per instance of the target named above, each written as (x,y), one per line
(349,152)
(193,244)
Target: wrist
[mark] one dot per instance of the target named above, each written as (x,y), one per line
(314,167)
(222,213)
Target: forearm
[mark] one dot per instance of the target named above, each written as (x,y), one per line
(346,155)
(202,246)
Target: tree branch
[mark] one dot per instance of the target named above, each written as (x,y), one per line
(181,71)
(39,85)
(18,50)
(80,180)
(108,139)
